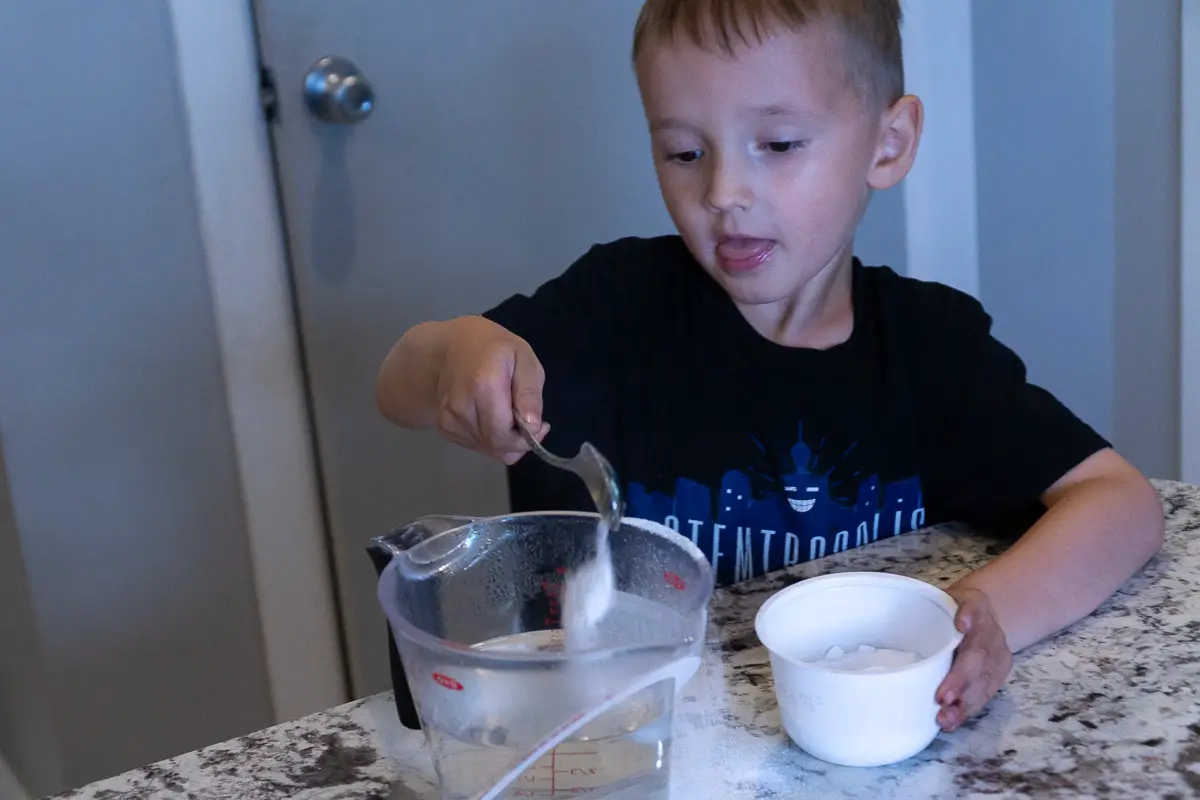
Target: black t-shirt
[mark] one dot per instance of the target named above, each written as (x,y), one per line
(765,455)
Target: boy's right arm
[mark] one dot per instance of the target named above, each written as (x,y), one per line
(464,377)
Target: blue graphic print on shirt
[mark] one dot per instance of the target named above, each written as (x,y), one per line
(798,519)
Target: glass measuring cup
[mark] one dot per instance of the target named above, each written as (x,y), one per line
(473,608)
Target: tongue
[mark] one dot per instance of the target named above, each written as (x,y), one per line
(742,249)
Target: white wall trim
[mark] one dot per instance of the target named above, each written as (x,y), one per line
(1189,322)
(10,789)
(247,267)
(940,200)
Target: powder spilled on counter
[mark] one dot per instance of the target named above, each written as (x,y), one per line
(698,729)
(714,743)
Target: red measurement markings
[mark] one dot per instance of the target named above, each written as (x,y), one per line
(553,590)
(447,682)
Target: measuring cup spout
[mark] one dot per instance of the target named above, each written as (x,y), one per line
(409,536)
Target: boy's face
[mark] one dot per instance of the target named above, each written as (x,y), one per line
(766,159)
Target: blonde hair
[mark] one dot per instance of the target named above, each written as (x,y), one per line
(871,29)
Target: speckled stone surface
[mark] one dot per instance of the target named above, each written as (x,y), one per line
(1106,709)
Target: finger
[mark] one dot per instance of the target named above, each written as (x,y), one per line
(964,671)
(528,380)
(950,718)
(463,441)
(492,394)
(967,617)
(497,431)
(974,693)
(511,457)
(458,425)
(991,677)
(951,688)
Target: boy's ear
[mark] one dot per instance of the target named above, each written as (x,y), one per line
(899,136)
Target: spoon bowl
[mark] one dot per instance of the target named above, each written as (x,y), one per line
(592,467)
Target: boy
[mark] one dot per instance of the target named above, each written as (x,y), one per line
(759,389)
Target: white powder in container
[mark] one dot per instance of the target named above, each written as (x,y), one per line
(865,659)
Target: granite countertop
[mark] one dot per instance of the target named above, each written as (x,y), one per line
(1106,709)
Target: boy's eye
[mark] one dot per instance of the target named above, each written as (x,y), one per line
(686,157)
(783,147)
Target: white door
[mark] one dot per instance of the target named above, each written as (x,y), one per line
(505,138)
(1189,344)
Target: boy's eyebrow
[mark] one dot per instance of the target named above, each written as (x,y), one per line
(785,111)
(670,123)
(673,123)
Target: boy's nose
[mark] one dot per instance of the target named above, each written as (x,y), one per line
(729,188)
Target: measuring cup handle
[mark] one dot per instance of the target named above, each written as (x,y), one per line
(382,549)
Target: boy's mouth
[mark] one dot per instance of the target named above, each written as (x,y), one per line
(743,254)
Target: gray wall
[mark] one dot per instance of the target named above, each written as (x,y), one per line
(1078,164)
(122,544)
(881,239)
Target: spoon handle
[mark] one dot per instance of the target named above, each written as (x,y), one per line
(536,447)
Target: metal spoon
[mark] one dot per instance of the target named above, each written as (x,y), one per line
(589,464)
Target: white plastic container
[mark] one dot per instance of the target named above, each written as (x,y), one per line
(859,719)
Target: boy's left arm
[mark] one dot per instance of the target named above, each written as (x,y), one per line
(1102,524)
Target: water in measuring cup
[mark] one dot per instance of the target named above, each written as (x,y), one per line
(622,754)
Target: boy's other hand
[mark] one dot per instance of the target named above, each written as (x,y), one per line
(981,664)
(487,374)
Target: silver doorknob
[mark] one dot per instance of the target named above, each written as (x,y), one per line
(337,92)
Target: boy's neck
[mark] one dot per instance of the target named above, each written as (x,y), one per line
(818,316)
